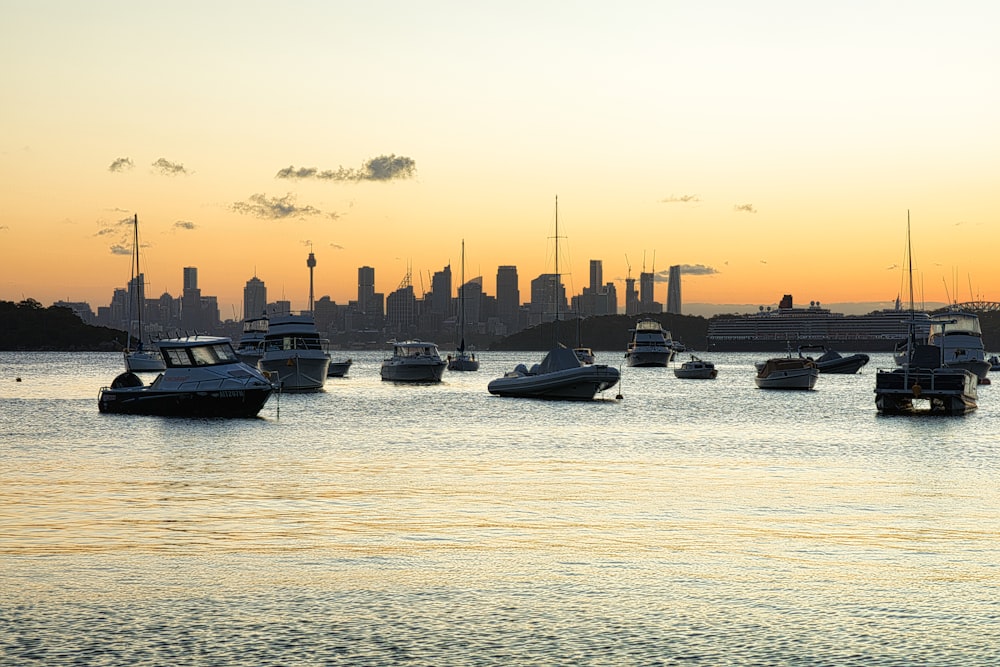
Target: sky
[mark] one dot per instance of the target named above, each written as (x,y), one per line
(767,147)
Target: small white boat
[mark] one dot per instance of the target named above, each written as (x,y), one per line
(143,360)
(462,360)
(560,375)
(696,369)
(584,354)
(338,368)
(787,373)
(294,353)
(413,361)
(650,345)
(140,359)
(203,378)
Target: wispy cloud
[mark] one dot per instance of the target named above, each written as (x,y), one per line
(184,224)
(119,249)
(274,208)
(336,247)
(744,208)
(697,270)
(168,168)
(381,168)
(682,199)
(892,267)
(3,227)
(121,164)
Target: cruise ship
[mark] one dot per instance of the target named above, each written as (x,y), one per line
(788,327)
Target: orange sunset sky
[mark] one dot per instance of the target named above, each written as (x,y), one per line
(768,147)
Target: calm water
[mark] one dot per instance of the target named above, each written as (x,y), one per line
(693,522)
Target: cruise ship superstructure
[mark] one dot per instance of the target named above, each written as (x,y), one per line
(788,327)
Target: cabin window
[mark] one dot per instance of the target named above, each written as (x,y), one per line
(203,356)
(177,357)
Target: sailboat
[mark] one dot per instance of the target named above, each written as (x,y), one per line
(923,383)
(560,375)
(141,359)
(462,360)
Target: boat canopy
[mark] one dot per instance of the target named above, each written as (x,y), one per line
(414,348)
(955,323)
(559,359)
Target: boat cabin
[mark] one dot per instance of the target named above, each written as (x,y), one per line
(197,351)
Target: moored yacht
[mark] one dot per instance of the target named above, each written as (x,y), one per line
(787,373)
(203,377)
(294,353)
(650,345)
(561,375)
(249,346)
(959,338)
(413,361)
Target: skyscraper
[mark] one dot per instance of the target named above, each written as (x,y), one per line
(190,277)
(508,297)
(674,291)
(254,298)
(596,275)
(366,288)
(646,296)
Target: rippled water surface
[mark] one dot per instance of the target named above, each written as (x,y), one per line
(691,522)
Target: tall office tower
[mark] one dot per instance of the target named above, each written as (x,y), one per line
(631,298)
(611,295)
(191,311)
(190,277)
(471,296)
(674,291)
(508,297)
(441,292)
(596,275)
(646,284)
(254,298)
(366,288)
(548,298)
(400,310)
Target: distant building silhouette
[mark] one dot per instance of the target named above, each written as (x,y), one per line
(508,299)
(254,298)
(631,297)
(674,290)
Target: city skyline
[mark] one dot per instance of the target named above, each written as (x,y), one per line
(766,149)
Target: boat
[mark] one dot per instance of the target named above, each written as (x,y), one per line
(338,368)
(584,354)
(202,377)
(462,360)
(831,361)
(650,345)
(787,373)
(560,375)
(958,335)
(413,361)
(249,348)
(774,329)
(994,362)
(140,359)
(923,383)
(294,352)
(696,369)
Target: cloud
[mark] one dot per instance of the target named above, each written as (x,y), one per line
(381,168)
(168,168)
(4,227)
(119,249)
(184,224)
(274,208)
(892,267)
(744,208)
(697,270)
(121,164)
(683,199)
(332,245)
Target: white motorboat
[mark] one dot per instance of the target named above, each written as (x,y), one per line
(959,338)
(294,353)
(203,378)
(584,354)
(696,369)
(338,368)
(249,348)
(560,375)
(650,345)
(413,361)
(141,359)
(787,373)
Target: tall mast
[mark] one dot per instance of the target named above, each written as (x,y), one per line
(556,294)
(461,305)
(137,278)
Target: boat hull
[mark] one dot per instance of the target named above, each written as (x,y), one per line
(338,369)
(213,403)
(703,373)
(463,362)
(946,391)
(144,362)
(574,384)
(844,365)
(650,359)
(804,378)
(412,372)
(296,370)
